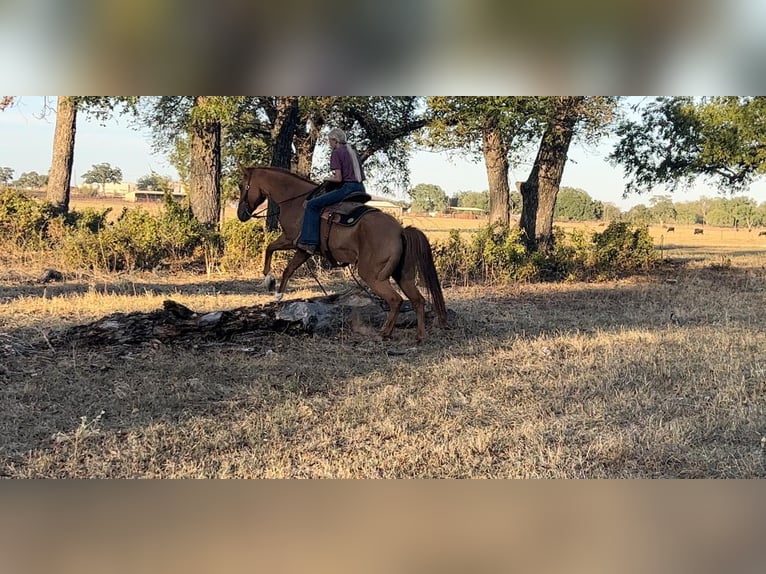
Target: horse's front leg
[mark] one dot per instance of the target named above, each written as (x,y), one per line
(281,243)
(298,259)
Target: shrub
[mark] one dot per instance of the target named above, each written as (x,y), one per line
(23,221)
(497,254)
(180,233)
(621,249)
(243,244)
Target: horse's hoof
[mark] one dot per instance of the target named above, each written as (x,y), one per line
(270,283)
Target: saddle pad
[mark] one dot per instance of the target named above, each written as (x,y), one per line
(340,215)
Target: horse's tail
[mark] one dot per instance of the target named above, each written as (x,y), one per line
(418,254)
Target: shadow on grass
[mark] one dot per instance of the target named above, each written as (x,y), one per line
(145,390)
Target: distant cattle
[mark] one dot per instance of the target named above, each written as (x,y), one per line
(761,233)
(670,229)
(698,231)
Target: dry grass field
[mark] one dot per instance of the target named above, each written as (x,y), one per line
(662,375)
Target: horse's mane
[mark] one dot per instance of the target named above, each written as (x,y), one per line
(288,172)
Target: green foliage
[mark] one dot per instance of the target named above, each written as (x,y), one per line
(6,175)
(621,249)
(459,122)
(153,182)
(723,211)
(138,239)
(31,180)
(678,139)
(427,198)
(103,173)
(576,205)
(23,221)
(496,254)
(475,199)
(243,244)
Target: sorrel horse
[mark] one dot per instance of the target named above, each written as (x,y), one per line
(377,244)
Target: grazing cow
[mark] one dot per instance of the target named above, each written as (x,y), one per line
(761,233)
(670,229)
(698,231)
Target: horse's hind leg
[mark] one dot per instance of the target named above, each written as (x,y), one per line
(418,303)
(386,291)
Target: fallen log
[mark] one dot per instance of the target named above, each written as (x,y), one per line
(321,315)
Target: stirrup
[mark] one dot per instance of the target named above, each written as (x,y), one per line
(310,249)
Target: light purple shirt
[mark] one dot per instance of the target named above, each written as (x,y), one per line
(341,159)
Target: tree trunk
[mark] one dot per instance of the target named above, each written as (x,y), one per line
(496,161)
(538,193)
(306,137)
(205,168)
(60,175)
(282,132)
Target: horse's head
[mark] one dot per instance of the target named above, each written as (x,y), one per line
(250,194)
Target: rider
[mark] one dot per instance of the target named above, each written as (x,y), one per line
(347,170)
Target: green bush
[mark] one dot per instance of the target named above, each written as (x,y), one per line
(622,249)
(243,244)
(497,254)
(23,221)
(453,259)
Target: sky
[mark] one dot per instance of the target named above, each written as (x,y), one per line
(26,142)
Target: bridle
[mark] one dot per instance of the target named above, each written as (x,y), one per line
(247,191)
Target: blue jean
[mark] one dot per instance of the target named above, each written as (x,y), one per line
(311,219)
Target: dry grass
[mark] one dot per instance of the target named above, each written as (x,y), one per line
(658,376)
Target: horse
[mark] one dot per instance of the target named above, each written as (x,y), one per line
(376,243)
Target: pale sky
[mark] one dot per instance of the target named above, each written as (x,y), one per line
(26,143)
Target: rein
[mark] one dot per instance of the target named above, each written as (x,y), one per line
(247,191)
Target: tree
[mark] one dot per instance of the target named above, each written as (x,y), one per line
(639,215)
(566,116)
(100,107)
(679,139)
(475,199)
(153,182)
(251,128)
(688,212)
(282,133)
(102,173)
(610,211)
(205,160)
(31,180)
(380,128)
(662,209)
(495,128)
(745,211)
(428,198)
(6,175)
(60,174)
(576,205)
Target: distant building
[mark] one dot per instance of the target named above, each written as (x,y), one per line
(467,212)
(130,192)
(151,195)
(386,205)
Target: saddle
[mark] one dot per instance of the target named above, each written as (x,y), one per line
(346,213)
(328,186)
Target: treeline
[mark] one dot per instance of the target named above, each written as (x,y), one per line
(571,204)
(737,211)
(577,205)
